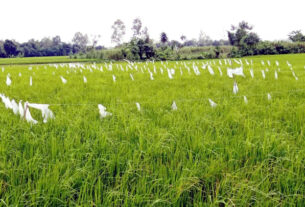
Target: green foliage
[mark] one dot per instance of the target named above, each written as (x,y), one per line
(10,48)
(243,39)
(165,53)
(297,36)
(269,48)
(163,38)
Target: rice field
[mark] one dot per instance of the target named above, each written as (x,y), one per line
(155,133)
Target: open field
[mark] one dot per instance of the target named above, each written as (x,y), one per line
(40,60)
(235,154)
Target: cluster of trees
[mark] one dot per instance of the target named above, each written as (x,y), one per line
(119,31)
(297,36)
(247,43)
(142,47)
(47,46)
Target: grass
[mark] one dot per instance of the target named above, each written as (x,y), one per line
(236,154)
(40,60)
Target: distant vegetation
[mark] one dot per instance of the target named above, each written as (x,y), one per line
(242,41)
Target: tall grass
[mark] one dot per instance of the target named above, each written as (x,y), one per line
(236,154)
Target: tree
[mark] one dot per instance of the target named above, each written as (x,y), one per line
(192,43)
(80,40)
(95,40)
(2,51)
(251,39)
(204,40)
(56,40)
(144,33)
(10,48)
(183,38)
(296,36)
(239,33)
(136,28)
(163,38)
(118,31)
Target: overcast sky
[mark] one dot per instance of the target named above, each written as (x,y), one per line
(25,19)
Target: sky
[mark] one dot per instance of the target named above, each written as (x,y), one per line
(25,19)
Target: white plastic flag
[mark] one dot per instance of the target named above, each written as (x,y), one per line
(275,75)
(277,63)
(174,106)
(28,115)
(236,71)
(211,71)
(15,107)
(8,80)
(103,112)
(269,97)
(64,81)
(251,73)
(6,101)
(151,76)
(31,81)
(212,103)
(296,78)
(220,72)
(131,77)
(21,110)
(172,71)
(235,88)
(238,62)
(45,111)
(85,79)
(263,74)
(245,100)
(114,78)
(169,74)
(138,106)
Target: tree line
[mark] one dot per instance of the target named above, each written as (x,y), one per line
(48,46)
(241,40)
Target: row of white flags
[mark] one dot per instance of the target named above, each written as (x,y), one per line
(171,72)
(23,110)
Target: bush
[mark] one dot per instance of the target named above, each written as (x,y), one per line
(268,48)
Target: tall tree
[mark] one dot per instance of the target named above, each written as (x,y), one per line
(136,28)
(145,34)
(80,40)
(10,48)
(118,31)
(204,40)
(56,40)
(183,38)
(163,38)
(296,36)
(240,35)
(95,40)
